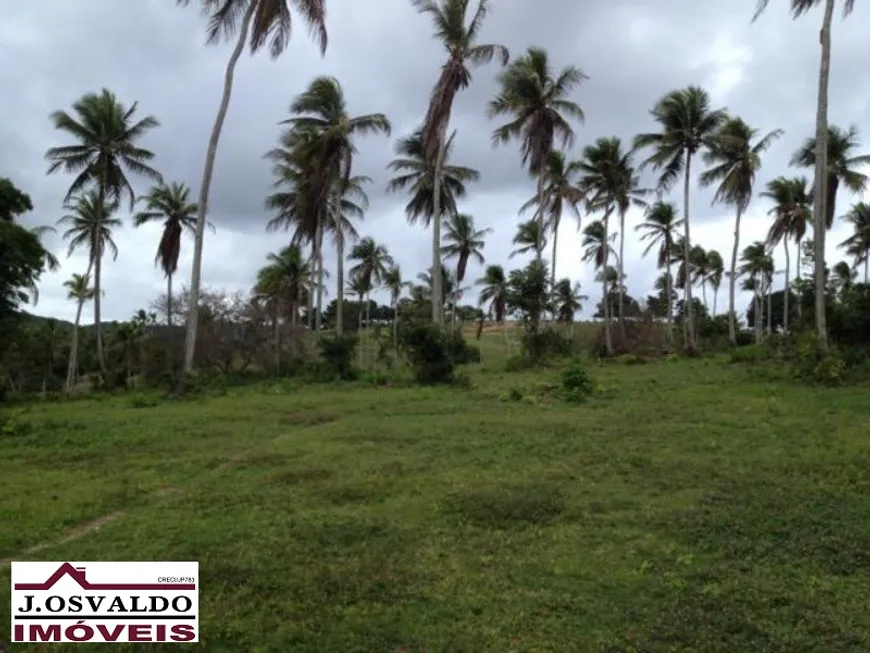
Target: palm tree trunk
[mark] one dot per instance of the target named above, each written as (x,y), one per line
(208,171)
(800,310)
(318,317)
(396,324)
(608,338)
(821,173)
(732,281)
(704,292)
(73,350)
(691,345)
(339,273)
(437,281)
(715,299)
(770,307)
(619,273)
(539,245)
(312,283)
(866,261)
(759,318)
(277,327)
(786,289)
(169,300)
(553,270)
(670,291)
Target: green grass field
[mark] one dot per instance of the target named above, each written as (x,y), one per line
(685,507)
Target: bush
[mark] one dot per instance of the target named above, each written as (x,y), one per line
(518,363)
(429,353)
(576,384)
(460,352)
(750,354)
(813,365)
(546,344)
(338,353)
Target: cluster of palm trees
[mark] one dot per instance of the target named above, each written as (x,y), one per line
(318,196)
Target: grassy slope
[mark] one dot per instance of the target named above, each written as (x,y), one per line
(685,508)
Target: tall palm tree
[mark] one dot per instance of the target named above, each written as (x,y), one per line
(359,287)
(106,149)
(597,250)
(373,261)
(858,244)
(463,50)
(560,191)
(395,284)
(603,168)
(90,226)
(842,276)
(463,241)
(714,273)
(282,282)
(416,174)
(321,112)
(735,157)
(568,299)
(534,97)
(263,20)
(687,126)
(79,291)
(527,239)
(820,207)
(790,215)
(659,227)
(493,294)
(171,205)
(757,265)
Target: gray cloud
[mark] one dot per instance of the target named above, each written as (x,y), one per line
(633,51)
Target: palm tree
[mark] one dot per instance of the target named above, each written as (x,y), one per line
(659,227)
(80,292)
(842,276)
(395,284)
(461,43)
(687,126)
(757,265)
(494,293)
(820,207)
(714,273)
(51,261)
(735,158)
(858,244)
(535,99)
(417,175)
(597,250)
(90,226)
(463,241)
(170,204)
(527,239)
(360,287)
(373,261)
(603,167)
(106,148)
(790,215)
(282,282)
(560,191)
(321,112)
(265,20)
(568,300)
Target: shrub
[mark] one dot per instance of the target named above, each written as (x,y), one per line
(429,354)
(338,353)
(546,344)
(750,354)
(813,365)
(460,352)
(576,384)
(518,363)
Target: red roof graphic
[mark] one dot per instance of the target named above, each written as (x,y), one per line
(78,575)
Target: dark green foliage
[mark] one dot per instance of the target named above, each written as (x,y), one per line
(811,364)
(428,350)
(546,344)
(577,386)
(460,351)
(338,353)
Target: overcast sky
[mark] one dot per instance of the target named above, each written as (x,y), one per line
(633,51)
